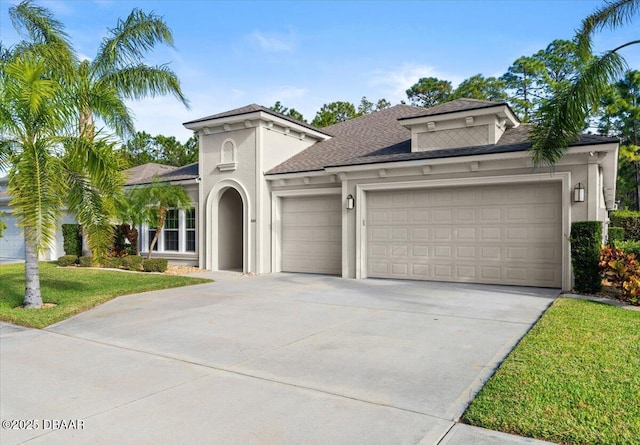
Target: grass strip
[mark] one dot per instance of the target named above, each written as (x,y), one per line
(74,290)
(574,378)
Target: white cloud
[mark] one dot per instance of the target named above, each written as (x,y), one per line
(394,83)
(237,94)
(285,93)
(273,42)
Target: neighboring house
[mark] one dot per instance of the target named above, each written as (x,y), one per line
(12,241)
(447,193)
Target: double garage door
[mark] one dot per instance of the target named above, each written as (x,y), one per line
(507,234)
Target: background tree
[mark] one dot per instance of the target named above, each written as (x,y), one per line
(368,107)
(429,91)
(482,88)
(621,118)
(152,202)
(291,112)
(333,113)
(143,148)
(562,118)
(521,81)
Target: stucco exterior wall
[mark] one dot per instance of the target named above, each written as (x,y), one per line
(213,183)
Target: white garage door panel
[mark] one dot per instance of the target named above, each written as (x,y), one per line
(510,234)
(312,235)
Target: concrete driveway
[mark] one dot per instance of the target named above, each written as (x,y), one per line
(283,358)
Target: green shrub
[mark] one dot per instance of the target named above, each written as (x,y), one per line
(629,247)
(67,260)
(85,261)
(113,262)
(629,221)
(615,234)
(132,262)
(155,265)
(72,236)
(586,242)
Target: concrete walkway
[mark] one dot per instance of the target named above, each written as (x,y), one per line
(283,358)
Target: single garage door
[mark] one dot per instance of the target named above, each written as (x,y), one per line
(312,235)
(12,241)
(507,234)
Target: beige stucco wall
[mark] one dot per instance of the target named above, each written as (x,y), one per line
(258,149)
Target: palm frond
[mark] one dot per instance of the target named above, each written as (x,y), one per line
(106,104)
(560,120)
(130,40)
(140,81)
(36,191)
(612,15)
(45,34)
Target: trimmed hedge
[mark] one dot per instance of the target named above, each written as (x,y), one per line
(132,262)
(113,262)
(155,265)
(615,234)
(629,221)
(629,247)
(67,260)
(72,239)
(586,242)
(85,261)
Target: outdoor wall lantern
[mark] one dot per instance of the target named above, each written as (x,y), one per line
(578,193)
(350,202)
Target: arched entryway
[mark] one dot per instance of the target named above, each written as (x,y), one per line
(230,225)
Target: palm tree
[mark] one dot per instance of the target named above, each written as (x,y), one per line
(154,201)
(561,120)
(117,73)
(32,115)
(45,89)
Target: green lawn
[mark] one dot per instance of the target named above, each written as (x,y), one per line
(574,378)
(74,290)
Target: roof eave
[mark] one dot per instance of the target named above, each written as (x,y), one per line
(502,110)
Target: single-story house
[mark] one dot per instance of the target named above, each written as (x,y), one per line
(447,193)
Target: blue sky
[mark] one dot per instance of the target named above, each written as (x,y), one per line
(307,53)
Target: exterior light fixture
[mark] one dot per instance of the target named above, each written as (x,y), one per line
(578,193)
(351,202)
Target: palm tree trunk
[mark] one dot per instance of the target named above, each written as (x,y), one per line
(32,295)
(163,216)
(86,125)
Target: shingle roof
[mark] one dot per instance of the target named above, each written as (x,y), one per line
(457,105)
(379,137)
(353,138)
(252,108)
(144,174)
(513,140)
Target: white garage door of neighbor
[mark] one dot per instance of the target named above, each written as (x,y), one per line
(506,234)
(12,241)
(312,234)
